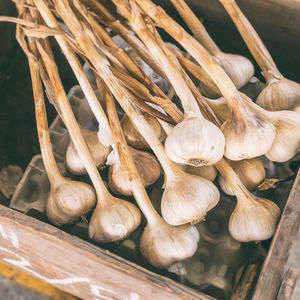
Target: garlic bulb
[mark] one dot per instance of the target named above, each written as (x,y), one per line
(253,219)
(98,151)
(133,137)
(195,141)
(220,108)
(187,198)
(68,201)
(239,69)
(250,171)
(282,94)
(113,220)
(287,140)
(247,133)
(207,172)
(162,244)
(147,167)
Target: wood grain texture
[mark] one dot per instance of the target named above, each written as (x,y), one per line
(288,284)
(78,267)
(272,271)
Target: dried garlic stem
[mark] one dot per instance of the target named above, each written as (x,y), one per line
(253,41)
(110,21)
(160,243)
(104,133)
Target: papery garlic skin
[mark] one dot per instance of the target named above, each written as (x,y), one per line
(147,167)
(113,220)
(220,108)
(98,151)
(253,219)
(187,198)
(133,137)
(282,94)
(239,69)
(287,141)
(207,172)
(250,171)
(195,141)
(165,244)
(69,201)
(247,134)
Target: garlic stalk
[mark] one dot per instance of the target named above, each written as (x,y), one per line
(254,218)
(239,69)
(194,141)
(146,165)
(130,64)
(132,135)
(247,133)
(116,25)
(280,93)
(104,133)
(113,219)
(161,244)
(68,200)
(182,190)
(250,171)
(98,151)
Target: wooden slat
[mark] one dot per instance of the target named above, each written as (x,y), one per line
(272,271)
(288,284)
(78,267)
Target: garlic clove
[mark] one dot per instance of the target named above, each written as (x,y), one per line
(287,141)
(250,171)
(147,167)
(247,134)
(187,198)
(220,108)
(133,137)
(68,201)
(195,141)
(164,244)
(238,68)
(207,172)
(99,153)
(113,220)
(282,94)
(253,219)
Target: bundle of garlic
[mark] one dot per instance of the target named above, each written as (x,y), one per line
(197,142)
(161,243)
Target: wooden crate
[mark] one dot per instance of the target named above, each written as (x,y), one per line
(90,272)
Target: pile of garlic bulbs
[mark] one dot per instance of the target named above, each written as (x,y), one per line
(200,145)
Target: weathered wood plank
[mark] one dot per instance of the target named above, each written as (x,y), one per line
(272,271)
(78,267)
(288,284)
